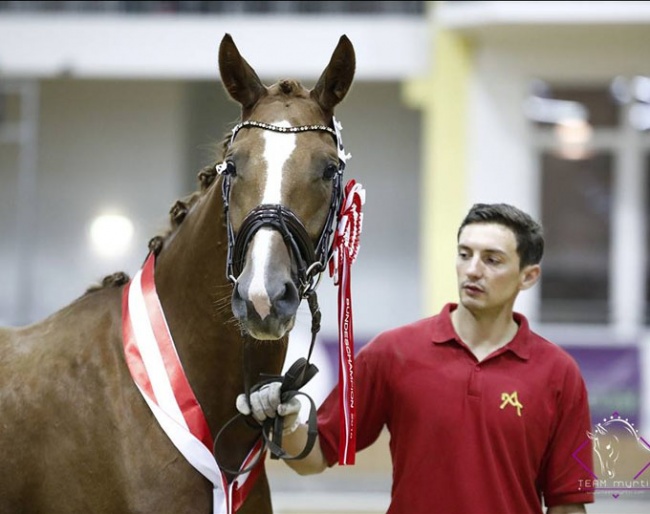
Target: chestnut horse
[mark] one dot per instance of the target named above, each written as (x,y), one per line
(76,434)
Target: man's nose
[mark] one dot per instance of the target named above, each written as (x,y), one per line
(474,267)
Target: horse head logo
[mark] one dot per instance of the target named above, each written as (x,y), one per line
(609,438)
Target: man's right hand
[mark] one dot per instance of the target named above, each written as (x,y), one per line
(266,403)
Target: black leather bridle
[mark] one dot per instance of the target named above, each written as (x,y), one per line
(311,261)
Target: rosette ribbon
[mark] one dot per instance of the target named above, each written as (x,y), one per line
(345,248)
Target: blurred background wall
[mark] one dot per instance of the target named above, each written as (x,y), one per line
(108,110)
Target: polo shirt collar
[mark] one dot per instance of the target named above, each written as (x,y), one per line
(443,332)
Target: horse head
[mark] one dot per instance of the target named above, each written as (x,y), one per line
(609,437)
(281,178)
(606,449)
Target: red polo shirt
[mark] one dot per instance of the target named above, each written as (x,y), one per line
(469,437)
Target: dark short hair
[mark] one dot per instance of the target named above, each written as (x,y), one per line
(529,233)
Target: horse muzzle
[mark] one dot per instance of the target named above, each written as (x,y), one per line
(265,296)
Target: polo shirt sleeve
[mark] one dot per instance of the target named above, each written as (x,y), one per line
(563,477)
(370,397)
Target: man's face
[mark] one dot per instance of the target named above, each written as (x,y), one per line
(487,267)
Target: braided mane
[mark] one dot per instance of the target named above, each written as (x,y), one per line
(177,214)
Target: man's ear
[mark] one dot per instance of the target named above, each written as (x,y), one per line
(529,276)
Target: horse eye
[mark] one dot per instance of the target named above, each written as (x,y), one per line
(330,171)
(231,169)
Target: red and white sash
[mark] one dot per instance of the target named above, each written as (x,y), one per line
(158,373)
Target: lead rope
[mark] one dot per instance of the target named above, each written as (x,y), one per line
(297,376)
(300,372)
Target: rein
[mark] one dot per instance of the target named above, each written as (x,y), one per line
(311,261)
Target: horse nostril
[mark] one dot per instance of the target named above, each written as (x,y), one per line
(238,303)
(286,300)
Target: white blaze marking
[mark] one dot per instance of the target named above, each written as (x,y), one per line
(259,255)
(278,147)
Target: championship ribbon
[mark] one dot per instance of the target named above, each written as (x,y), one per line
(158,373)
(345,249)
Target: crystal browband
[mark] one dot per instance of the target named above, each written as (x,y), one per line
(276,128)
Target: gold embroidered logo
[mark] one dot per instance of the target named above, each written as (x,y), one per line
(511,399)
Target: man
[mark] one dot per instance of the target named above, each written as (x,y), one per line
(484,415)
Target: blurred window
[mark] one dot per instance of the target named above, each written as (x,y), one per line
(549,105)
(577,178)
(593,148)
(603,109)
(576,214)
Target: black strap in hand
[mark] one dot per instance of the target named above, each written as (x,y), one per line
(295,378)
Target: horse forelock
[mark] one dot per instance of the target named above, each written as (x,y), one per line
(289,87)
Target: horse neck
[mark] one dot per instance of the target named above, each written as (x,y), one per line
(195,294)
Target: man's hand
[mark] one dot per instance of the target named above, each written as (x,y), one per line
(266,403)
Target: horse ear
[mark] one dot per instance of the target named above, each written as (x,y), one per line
(334,83)
(238,77)
(591,436)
